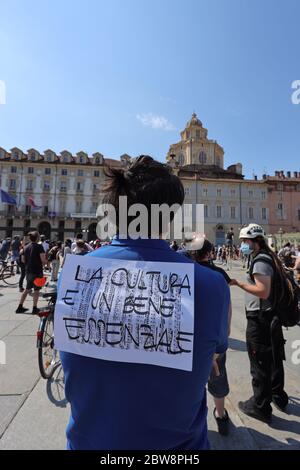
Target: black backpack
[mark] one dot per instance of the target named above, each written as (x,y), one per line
(286,305)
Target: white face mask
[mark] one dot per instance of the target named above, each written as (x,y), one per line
(246,249)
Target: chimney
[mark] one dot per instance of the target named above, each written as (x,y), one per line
(288,174)
(282,174)
(255,177)
(264,176)
(276,173)
(295,174)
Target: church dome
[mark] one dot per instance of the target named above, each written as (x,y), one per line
(194,121)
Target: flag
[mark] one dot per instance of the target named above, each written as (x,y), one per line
(33,204)
(6,198)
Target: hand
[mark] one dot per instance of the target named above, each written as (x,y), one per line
(215,365)
(234,282)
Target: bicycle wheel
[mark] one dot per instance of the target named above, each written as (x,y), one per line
(46,352)
(9,275)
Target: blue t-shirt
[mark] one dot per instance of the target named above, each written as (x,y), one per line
(126,406)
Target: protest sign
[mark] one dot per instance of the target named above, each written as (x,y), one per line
(128,311)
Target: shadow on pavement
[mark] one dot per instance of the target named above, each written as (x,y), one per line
(56,388)
(259,441)
(237,345)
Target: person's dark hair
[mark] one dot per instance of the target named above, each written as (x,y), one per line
(287,245)
(79,236)
(80,243)
(199,255)
(68,242)
(34,236)
(146,181)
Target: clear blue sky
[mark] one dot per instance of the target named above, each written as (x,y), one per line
(125,75)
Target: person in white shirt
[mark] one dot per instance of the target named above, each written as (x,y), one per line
(79,236)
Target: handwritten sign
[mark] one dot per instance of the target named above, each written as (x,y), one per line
(127,311)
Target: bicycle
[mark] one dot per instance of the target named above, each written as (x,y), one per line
(8,273)
(47,354)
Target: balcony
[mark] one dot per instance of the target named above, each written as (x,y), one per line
(83,215)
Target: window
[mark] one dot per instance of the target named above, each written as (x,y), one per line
(65,159)
(219,192)
(205,211)
(80,172)
(63,206)
(13,169)
(205,191)
(32,157)
(63,186)
(10,209)
(181,159)
(186,191)
(49,158)
(16,155)
(202,158)
(47,171)
(46,186)
(30,170)
(232,192)
(250,194)
(280,187)
(12,184)
(64,172)
(263,213)
(187,134)
(250,213)
(27,210)
(298,187)
(232,212)
(298,214)
(218,161)
(81,159)
(97,161)
(45,210)
(263,195)
(97,173)
(78,206)
(197,134)
(94,207)
(29,185)
(79,187)
(219,211)
(280,210)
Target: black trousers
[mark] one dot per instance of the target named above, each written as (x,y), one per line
(22,275)
(265,347)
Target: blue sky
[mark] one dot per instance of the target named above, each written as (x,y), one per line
(125,75)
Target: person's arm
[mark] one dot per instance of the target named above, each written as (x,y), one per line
(261,288)
(43,259)
(229,318)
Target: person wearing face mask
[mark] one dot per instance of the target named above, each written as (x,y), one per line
(264,337)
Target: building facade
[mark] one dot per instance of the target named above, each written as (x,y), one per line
(59,194)
(230,200)
(284,202)
(56,194)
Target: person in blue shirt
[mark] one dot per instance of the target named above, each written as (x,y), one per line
(132,406)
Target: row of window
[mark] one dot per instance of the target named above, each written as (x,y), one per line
(62,208)
(64,171)
(234,213)
(50,158)
(219,193)
(202,159)
(47,186)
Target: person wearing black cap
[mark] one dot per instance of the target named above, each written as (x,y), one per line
(201,251)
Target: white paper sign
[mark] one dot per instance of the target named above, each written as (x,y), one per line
(127,311)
